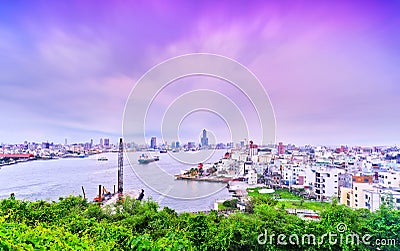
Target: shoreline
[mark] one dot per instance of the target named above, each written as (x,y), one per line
(204,179)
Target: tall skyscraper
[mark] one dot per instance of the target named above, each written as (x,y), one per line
(153,142)
(101,142)
(204,139)
(106,142)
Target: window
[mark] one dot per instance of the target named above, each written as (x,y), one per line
(366,197)
(366,180)
(356,188)
(356,195)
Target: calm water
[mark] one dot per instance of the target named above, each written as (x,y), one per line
(51,179)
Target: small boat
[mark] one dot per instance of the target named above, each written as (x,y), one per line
(145,159)
(102,159)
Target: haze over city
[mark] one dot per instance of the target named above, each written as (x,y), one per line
(330,68)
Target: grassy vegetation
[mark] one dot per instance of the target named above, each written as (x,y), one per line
(287,199)
(309,205)
(279,193)
(74,224)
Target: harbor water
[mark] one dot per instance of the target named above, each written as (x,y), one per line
(51,179)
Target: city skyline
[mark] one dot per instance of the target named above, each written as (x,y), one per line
(329,67)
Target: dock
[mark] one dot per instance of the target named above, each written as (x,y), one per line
(205,179)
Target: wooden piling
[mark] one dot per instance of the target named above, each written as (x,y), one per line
(84,195)
(99,193)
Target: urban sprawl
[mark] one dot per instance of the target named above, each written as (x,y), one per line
(359,177)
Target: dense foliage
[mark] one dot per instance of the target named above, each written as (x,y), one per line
(74,224)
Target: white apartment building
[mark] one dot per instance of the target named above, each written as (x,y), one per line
(358,194)
(389,178)
(376,197)
(327,182)
(251,177)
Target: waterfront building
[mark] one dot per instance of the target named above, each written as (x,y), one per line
(153,142)
(204,139)
(106,143)
(191,145)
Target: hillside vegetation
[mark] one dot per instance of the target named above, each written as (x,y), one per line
(74,224)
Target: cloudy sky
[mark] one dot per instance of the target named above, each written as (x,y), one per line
(331,68)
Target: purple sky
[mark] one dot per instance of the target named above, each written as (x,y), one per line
(331,68)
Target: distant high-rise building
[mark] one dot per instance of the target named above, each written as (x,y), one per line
(242,144)
(253,151)
(91,143)
(177,144)
(153,142)
(281,148)
(204,139)
(45,145)
(66,142)
(191,145)
(173,144)
(106,142)
(101,142)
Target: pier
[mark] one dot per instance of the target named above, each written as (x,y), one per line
(206,179)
